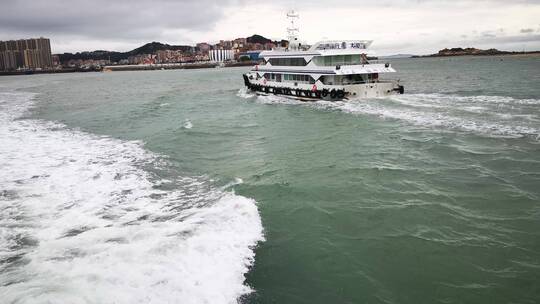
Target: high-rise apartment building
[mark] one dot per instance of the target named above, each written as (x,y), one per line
(25,53)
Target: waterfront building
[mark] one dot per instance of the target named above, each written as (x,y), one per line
(203,47)
(221,55)
(225,44)
(11,60)
(239,43)
(56,60)
(32,59)
(32,53)
(269,46)
(253,55)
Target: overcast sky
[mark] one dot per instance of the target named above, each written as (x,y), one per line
(397,26)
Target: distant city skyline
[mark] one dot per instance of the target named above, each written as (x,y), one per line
(397,26)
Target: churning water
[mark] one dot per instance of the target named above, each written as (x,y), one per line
(82,221)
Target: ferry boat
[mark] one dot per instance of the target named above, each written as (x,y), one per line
(328,70)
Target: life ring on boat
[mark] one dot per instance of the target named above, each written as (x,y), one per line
(324,92)
(333,94)
(340,94)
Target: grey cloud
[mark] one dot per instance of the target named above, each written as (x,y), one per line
(488,34)
(129,23)
(106,19)
(499,36)
(509,39)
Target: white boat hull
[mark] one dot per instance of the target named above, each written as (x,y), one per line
(325,92)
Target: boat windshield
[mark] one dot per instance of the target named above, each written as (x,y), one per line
(350,79)
(340,60)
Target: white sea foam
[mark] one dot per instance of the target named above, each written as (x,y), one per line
(82,222)
(476,124)
(515,119)
(444,100)
(187,124)
(244,93)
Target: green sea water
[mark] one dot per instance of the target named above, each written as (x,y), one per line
(428,197)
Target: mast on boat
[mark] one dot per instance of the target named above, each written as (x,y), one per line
(292,30)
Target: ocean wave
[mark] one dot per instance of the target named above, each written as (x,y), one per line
(81,221)
(245,93)
(187,124)
(482,115)
(443,100)
(475,124)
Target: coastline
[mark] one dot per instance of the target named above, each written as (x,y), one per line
(151,67)
(523,54)
(140,67)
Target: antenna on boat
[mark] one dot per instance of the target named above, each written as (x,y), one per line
(292,29)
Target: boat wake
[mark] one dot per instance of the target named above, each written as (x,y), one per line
(88,219)
(493,116)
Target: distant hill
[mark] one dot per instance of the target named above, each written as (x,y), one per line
(473,52)
(149,48)
(262,40)
(96,55)
(258,39)
(152,47)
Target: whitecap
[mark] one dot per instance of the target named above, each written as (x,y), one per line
(100,228)
(245,93)
(187,124)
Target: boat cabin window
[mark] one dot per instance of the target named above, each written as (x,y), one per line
(287,61)
(289,78)
(350,79)
(272,77)
(298,78)
(339,60)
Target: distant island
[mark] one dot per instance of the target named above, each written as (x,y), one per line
(472,52)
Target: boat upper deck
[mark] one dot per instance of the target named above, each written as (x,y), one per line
(323,48)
